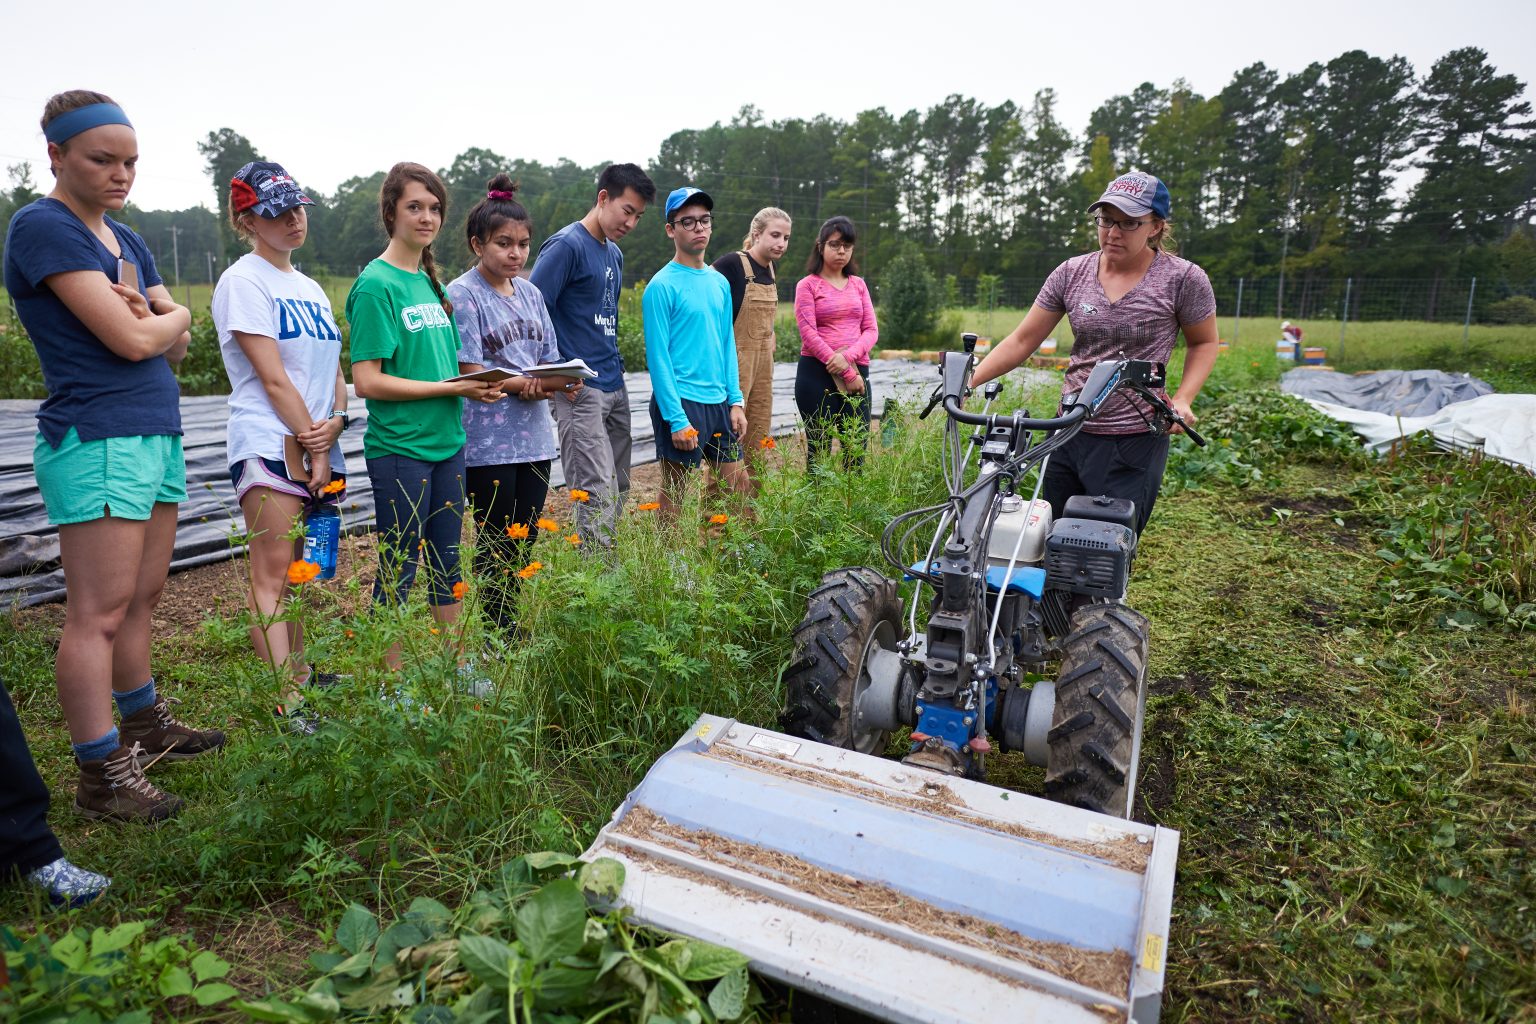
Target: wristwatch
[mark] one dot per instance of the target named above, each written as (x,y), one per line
(346,421)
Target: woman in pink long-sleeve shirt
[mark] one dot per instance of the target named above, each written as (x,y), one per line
(837,333)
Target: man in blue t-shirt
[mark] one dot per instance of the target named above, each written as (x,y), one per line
(690,346)
(580,272)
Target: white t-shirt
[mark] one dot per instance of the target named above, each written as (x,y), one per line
(254,297)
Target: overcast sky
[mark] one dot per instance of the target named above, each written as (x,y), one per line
(334,91)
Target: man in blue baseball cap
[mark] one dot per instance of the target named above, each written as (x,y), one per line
(697,411)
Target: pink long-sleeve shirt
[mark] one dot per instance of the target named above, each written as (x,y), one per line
(833,321)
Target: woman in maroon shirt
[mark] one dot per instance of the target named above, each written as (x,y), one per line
(1130,299)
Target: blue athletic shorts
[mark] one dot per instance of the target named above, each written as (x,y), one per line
(712,421)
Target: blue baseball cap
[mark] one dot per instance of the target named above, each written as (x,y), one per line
(266,188)
(1136,193)
(681,197)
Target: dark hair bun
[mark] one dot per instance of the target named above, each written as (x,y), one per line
(501,183)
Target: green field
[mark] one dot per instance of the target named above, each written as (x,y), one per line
(1342,725)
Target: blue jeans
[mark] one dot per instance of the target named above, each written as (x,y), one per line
(420,509)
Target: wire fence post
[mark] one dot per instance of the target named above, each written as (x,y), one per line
(1349,284)
(1237,321)
(1466,325)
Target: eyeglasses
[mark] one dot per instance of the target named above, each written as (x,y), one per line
(1126,226)
(689,223)
(840,246)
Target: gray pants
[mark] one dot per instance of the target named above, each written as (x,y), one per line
(594,453)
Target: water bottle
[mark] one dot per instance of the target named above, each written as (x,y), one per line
(322,536)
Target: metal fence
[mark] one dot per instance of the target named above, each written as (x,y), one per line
(1466,300)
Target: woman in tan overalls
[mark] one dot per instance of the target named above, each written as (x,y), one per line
(755,303)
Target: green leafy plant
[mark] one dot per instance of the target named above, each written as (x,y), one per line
(530,950)
(100,975)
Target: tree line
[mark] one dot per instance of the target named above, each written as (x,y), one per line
(1359,166)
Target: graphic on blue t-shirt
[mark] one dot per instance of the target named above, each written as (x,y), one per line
(608,319)
(301,316)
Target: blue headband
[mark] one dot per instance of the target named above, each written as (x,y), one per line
(83,119)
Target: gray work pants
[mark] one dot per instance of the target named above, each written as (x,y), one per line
(594,453)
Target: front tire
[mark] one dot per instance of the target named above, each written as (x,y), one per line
(853,611)
(1095,737)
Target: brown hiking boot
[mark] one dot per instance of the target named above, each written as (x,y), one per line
(115,789)
(162,737)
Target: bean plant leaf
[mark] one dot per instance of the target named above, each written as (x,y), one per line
(207,965)
(728,999)
(565,986)
(602,878)
(121,937)
(430,915)
(488,959)
(1451,886)
(71,952)
(174,981)
(213,993)
(706,961)
(358,929)
(544,860)
(553,921)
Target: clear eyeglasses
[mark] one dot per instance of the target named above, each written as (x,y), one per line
(689,223)
(1126,226)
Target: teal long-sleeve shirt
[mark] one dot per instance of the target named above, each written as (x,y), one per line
(690,341)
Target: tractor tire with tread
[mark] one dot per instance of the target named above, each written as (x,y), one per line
(1095,737)
(851,609)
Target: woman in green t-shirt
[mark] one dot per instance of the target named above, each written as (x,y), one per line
(405,349)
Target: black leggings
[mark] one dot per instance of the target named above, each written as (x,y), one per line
(26,841)
(498,497)
(828,412)
(1119,465)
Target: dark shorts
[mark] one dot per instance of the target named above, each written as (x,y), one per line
(248,474)
(713,422)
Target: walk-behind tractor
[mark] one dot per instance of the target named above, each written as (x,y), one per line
(911,890)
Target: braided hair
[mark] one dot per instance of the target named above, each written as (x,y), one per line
(389,197)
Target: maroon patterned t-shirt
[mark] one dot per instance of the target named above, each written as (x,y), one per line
(1143,325)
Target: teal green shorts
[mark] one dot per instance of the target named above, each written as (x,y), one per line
(125,476)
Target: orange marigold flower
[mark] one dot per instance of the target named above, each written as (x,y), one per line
(459,590)
(767,442)
(718,434)
(527,572)
(302,572)
(350,634)
(648,506)
(690,432)
(334,487)
(577,494)
(574,540)
(517,531)
(435,630)
(719,519)
(547,524)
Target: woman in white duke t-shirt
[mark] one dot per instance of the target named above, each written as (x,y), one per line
(282,350)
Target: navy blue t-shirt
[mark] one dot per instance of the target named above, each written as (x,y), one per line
(90,387)
(580,279)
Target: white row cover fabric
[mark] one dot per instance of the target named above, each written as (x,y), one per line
(1501,426)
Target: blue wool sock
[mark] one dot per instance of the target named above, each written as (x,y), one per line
(129,701)
(95,750)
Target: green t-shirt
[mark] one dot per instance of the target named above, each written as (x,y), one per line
(397,317)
